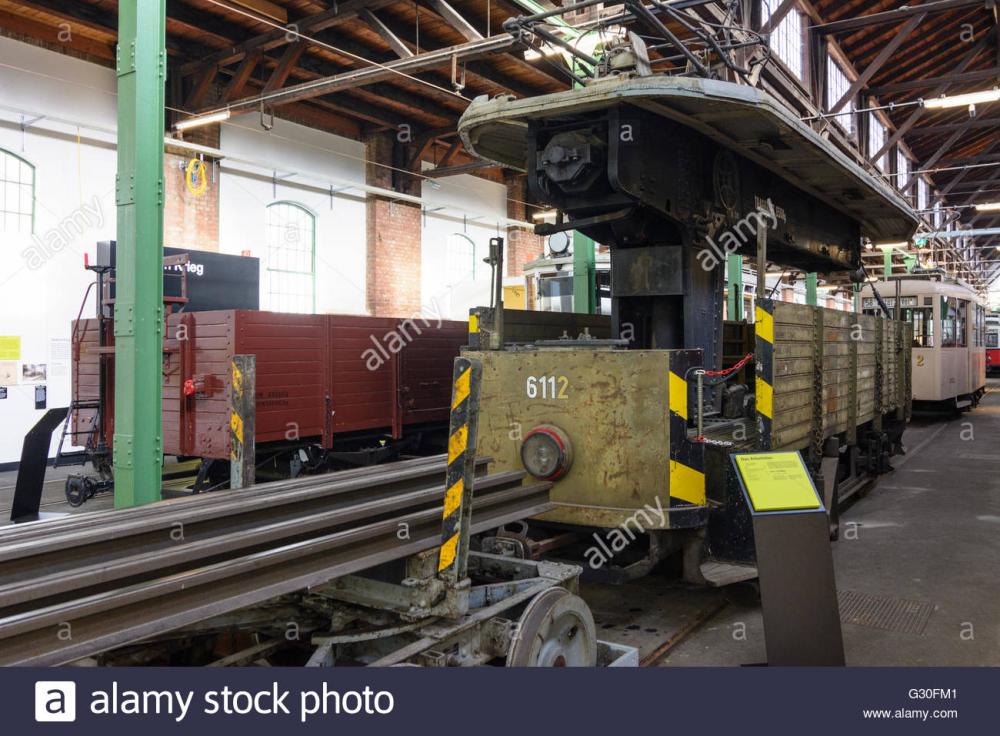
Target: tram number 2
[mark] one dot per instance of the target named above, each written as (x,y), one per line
(547,387)
(920,360)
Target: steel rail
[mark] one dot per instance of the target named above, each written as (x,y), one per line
(53,552)
(139,610)
(100,519)
(106,561)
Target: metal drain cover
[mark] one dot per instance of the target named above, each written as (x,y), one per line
(884,612)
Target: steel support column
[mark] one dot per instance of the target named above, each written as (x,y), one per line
(584,276)
(811,289)
(141,69)
(734,266)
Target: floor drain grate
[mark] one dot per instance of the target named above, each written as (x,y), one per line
(884,612)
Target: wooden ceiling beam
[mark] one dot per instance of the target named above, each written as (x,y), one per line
(50,35)
(395,42)
(370,74)
(235,87)
(967,59)
(992,73)
(289,59)
(892,16)
(878,62)
(338,14)
(455,19)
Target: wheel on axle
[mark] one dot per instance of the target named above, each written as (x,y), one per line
(555,630)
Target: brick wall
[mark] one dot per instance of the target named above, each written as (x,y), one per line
(189,220)
(522,243)
(393,259)
(393,235)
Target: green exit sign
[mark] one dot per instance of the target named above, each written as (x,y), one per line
(920,242)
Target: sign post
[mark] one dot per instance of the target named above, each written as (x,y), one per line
(798,590)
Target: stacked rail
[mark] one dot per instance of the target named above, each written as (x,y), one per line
(77,586)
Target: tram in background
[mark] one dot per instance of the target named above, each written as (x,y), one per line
(949,337)
(993,344)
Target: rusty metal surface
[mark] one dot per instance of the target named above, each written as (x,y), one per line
(613,405)
(125,576)
(739,117)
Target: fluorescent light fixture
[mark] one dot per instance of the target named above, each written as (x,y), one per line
(544,215)
(988,207)
(972,98)
(197,122)
(890,246)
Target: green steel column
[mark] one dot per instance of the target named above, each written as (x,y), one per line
(811,289)
(734,277)
(584,276)
(141,67)
(887,262)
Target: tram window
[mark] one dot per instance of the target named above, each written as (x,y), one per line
(948,315)
(961,324)
(922,319)
(992,339)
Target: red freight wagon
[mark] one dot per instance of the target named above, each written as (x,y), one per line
(336,387)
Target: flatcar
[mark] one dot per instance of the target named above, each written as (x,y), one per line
(949,337)
(992,344)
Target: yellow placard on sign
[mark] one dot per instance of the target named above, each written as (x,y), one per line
(10,347)
(777,481)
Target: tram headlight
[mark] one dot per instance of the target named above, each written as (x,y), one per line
(546,452)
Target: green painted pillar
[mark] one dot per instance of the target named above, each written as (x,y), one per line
(811,289)
(887,262)
(734,277)
(141,68)
(584,276)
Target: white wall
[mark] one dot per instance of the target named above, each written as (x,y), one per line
(296,151)
(454,298)
(43,281)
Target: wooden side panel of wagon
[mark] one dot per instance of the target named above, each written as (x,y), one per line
(197,348)
(86,375)
(425,369)
(292,358)
(833,371)
(363,373)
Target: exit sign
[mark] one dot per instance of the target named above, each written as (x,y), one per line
(920,242)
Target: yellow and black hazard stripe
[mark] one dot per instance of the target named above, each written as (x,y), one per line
(461,463)
(687,458)
(475,315)
(764,385)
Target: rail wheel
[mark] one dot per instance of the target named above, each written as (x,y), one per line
(555,630)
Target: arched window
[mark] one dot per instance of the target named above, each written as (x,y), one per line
(291,258)
(461,257)
(17,194)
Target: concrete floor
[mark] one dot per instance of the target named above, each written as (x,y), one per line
(928,533)
(53,496)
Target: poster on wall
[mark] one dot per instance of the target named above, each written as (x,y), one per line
(10,347)
(8,372)
(33,372)
(59,357)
